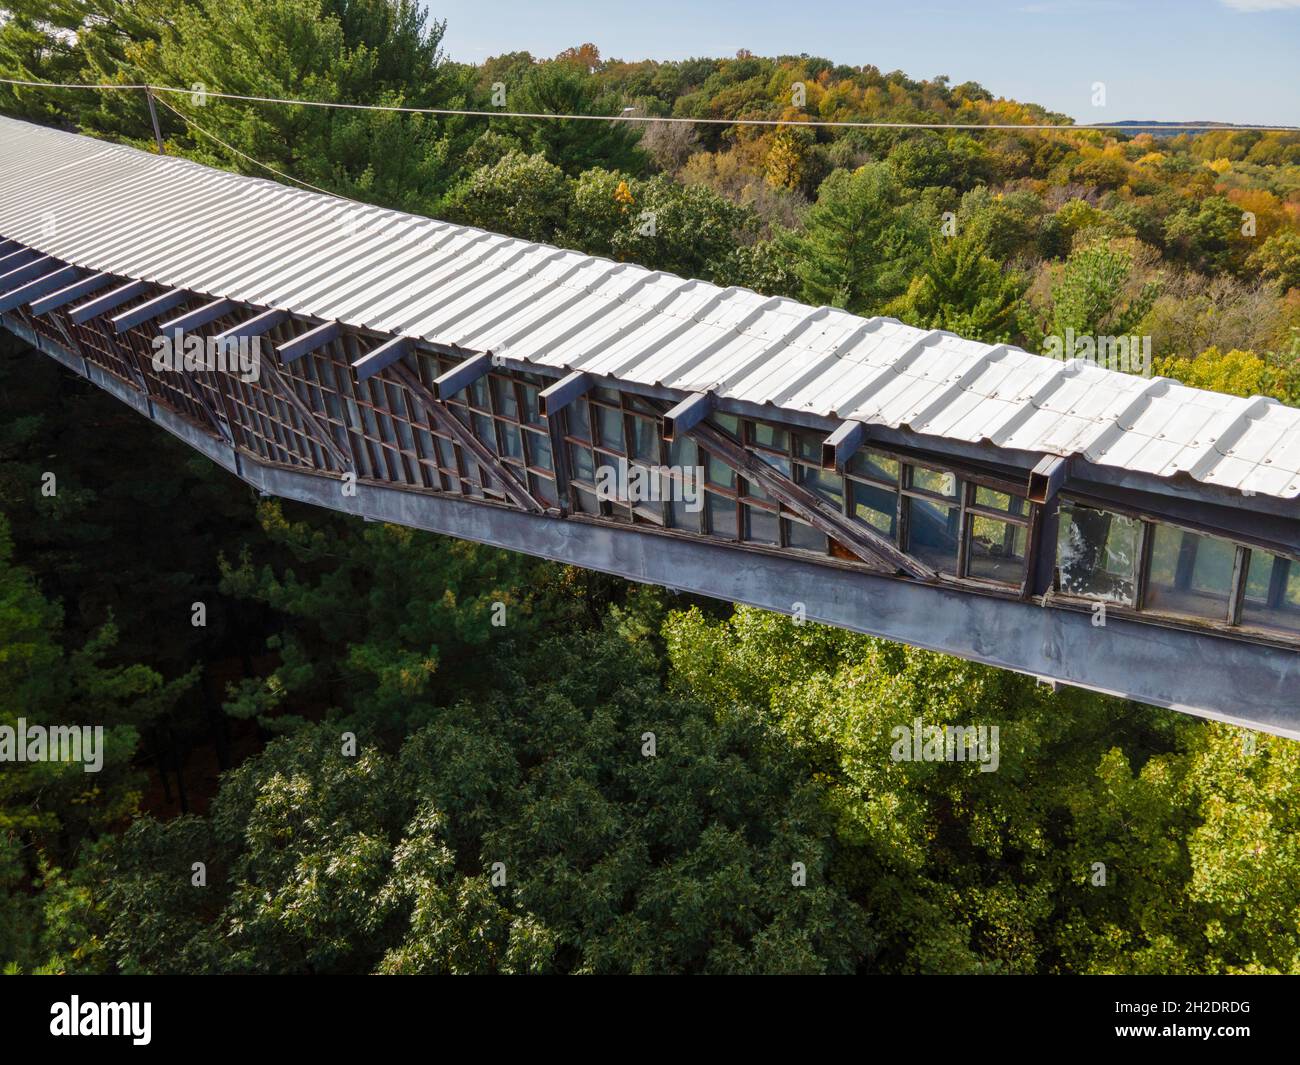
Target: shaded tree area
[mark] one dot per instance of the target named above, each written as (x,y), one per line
(395,752)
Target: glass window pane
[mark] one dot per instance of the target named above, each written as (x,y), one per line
(649,511)
(760,525)
(404,435)
(771,437)
(532,413)
(1259,576)
(503,392)
(576,413)
(720,473)
(1189,574)
(728,423)
(543,488)
(1272,593)
(1096,553)
(722,516)
(587,502)
(827,484)
(683,517)
(583,469)
(446,452)
(997,550)
(940,482)
(933,533)
(511,445)
(539,449)
(478,394)
(876,467)
(804,537)
(683,452)
(780,463)
(611,428)
(808,447)
(994,500)
(424,442)
(645,439)
(878,507)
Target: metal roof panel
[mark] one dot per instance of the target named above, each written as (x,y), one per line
(115,209)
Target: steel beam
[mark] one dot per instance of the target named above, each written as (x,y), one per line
(1046,478)
(839,447)
(863,541)
(478,450)
(12,279)
(13,259)
(198,317)
(687,414)
(75,291)
(554,399)
(385,355)
(462,376)
(149,310)
(312,340)
(84,312)
(311,422)
(40,286)
(254,327)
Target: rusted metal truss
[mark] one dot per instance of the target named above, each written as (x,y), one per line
(871,548)
(467,440)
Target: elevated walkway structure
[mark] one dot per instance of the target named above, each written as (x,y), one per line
(1091,528)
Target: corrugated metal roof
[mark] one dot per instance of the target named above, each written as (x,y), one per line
(116,209)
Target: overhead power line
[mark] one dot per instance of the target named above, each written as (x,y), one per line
(1131,127)
(67,85)
(244,155)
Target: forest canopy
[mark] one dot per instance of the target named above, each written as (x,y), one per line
(496,810)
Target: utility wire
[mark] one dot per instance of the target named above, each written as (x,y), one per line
(244,155)
(64,85)
(1133,127)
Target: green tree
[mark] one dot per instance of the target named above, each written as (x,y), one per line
(1236,373)
(383,52)
(931,161)
(606,858)
(1208,235)
(520,195)
(686,230)
(861,244)
(966,871)
(49,808)
(1279,258)
(38,42)
(1093,293)
(560,88)
(963,290)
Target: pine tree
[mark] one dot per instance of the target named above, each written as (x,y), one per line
(861,243)
(963,290)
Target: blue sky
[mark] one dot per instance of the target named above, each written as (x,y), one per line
(1220,60)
